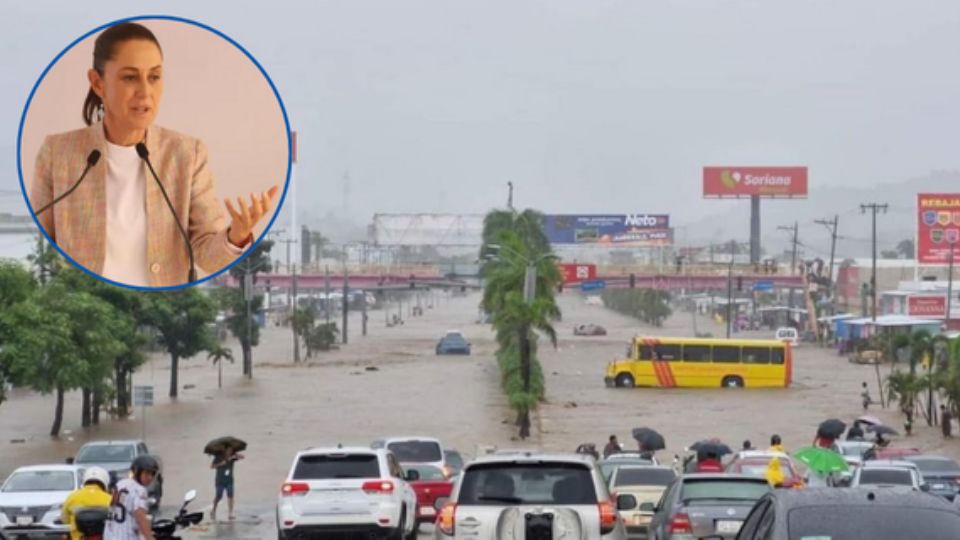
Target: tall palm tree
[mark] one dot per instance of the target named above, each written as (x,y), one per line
(522,243)
(217,355)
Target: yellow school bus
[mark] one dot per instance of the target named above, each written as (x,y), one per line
(703,363)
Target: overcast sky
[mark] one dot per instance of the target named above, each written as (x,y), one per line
(587,106)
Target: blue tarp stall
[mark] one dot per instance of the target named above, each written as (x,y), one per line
(860,328)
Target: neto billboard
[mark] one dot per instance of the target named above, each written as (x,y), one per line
(625,230)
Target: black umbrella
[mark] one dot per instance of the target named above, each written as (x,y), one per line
(219,446)
(649,439)
(710,447)
(831,429)
(882,430)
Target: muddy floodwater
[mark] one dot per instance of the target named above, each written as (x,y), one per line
(391,383)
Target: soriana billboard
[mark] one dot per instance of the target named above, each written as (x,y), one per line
(938,227)
(787,182)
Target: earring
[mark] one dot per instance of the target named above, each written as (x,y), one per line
(100,112)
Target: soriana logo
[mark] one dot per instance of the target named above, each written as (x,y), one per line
(760,181)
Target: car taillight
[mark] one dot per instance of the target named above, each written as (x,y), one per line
(290,489)
(680,524)
(608,517)
(447,519)
(380,487)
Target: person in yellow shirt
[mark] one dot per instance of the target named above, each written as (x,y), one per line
(776,445)
(93,493)
(774,474)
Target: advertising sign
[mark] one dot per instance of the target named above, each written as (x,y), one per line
(593,285)
(927,306)
(625,230)
(575,273)
(938,228)
(787,182)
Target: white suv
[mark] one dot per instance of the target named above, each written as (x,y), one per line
(531,495)
(347,491)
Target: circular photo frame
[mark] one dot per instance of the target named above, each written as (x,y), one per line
(154,152)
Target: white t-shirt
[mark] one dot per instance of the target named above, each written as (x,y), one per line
(129,497)
(126,253)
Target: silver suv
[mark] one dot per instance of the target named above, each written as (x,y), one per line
(530,495)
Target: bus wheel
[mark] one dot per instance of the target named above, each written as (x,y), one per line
(625,380)
(732,382)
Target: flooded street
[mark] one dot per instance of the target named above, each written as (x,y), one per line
(392,383)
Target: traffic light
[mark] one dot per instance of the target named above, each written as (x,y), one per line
(633,281)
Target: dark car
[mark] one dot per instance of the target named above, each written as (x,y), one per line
(881,514)
(941,474)
(703,505)
(453,343)
(116,457)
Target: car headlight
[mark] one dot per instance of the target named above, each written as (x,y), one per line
(55,508)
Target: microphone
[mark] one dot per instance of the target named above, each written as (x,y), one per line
(145,156)
(92,158)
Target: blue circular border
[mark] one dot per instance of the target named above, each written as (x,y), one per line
(286,122)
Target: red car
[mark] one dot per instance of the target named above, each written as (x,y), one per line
(432,485)
(755,463)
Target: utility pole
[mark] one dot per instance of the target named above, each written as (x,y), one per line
(793,259)
(832,227)
(730,287)
(296,341)
(874,208)
(946,318)
(510,195)
(292,299)
(346,301)
(326,293)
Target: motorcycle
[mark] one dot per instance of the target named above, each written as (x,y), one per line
(92,521)
(164,529)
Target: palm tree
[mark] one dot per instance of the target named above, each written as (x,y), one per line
(521,245)
(217,355)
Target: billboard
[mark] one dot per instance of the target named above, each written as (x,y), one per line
(735,182)
(575,273)
(938,227)
(927,306)
(609,230)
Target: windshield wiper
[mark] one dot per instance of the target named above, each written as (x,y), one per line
(509,500)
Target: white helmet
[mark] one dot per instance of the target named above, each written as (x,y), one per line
(97,474)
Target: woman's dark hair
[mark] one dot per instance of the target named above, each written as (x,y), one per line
(103,49)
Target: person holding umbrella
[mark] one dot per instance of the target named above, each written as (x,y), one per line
(226,452)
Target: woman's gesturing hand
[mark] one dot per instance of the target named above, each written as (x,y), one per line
(246,218)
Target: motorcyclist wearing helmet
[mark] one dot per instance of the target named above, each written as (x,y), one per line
(128,511)
(92,494)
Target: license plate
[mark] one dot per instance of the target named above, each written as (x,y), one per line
(427,511)
(640,520)
(24,520)
(939,486)
(728,527)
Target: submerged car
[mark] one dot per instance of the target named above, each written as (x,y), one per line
(589,330)
(453,342)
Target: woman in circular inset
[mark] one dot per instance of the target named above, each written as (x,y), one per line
(117,222)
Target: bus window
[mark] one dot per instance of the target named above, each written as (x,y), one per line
(696,353)
(776,356)
(726,354)
(645,352)
(756,355)
(666,352)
